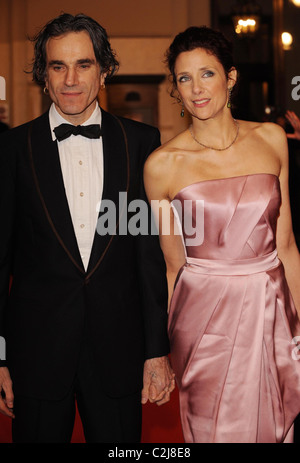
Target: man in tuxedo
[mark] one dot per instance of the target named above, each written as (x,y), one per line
(85,318)
(3,127)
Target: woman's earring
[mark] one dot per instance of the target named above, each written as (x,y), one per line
(182,111)
(229,98)
(46,91)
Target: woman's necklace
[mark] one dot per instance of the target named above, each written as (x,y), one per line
(217,149)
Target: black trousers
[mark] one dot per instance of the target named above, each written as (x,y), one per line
(104,419)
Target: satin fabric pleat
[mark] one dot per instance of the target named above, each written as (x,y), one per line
(232,319)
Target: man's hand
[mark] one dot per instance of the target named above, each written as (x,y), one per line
(159,381)
(6,393)
(295,123)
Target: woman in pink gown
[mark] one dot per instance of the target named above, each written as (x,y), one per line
(233,266)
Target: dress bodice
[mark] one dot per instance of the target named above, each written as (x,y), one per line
(229,218)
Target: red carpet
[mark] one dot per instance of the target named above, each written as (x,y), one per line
(160,424)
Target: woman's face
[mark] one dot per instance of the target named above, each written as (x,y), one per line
(202,83)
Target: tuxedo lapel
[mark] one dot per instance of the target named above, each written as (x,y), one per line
(47,173)
(116,180)
(48,177)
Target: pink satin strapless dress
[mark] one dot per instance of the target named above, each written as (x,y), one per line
(232,321)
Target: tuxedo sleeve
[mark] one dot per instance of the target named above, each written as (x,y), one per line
(7,208)
(153,282)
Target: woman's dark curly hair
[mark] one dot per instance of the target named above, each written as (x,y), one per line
(64,24)
(211,40)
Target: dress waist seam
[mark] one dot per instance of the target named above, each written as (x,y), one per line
(235,266)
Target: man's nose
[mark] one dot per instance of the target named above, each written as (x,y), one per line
(71,77)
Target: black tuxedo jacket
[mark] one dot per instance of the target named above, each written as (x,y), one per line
(119,303)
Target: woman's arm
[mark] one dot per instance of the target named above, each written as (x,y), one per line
(287,248)
(157,173)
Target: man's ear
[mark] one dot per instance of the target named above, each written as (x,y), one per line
(102,79)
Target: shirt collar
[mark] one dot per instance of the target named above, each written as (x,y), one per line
(56,119)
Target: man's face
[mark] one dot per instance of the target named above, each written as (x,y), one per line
(73,76)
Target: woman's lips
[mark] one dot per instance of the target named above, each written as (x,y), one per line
(201,103)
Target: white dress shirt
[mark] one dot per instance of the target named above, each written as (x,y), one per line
(81,162)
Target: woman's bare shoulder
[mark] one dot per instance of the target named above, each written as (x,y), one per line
(275,137)
(270,139)
(264,129)
(165,156)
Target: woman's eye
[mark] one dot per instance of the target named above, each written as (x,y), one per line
(183,79)
(208,74)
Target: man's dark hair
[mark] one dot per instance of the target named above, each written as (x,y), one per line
(64,24)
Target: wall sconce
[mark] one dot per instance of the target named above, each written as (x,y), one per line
(296,2)
(246,17)
(287,40)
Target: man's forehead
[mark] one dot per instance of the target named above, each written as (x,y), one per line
(72,46)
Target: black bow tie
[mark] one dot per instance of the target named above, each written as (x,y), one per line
(64,131)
